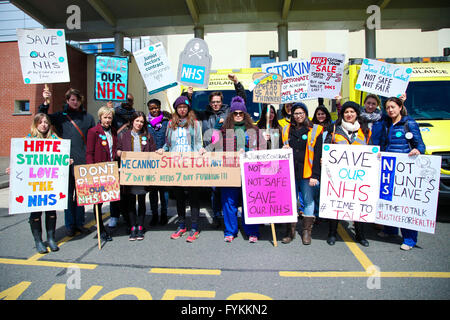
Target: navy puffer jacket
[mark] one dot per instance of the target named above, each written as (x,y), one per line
(395,136)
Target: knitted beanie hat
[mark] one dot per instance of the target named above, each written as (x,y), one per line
(237,103)
(181,100)
(350,104)
(299,105)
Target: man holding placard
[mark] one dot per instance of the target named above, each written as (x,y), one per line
(72,123)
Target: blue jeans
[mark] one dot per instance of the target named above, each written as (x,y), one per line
(231,199)
(409,236)
(309,194)
(300,202)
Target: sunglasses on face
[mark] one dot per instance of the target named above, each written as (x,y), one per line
(239,114)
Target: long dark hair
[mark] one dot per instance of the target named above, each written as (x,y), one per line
(327,121)
(262,122)
(136,115)
(229,122)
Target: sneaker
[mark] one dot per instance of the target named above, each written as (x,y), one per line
(405,247)
(133,234)
(228,239)
(193,235)
(113,222)
(252,239)
(178,233)
(140,233)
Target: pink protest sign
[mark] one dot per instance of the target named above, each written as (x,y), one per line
(268,186)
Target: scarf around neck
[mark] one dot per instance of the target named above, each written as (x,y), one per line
(349,127)
(155,122)
(371,117)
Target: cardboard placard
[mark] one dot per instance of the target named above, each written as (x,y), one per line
(97,183)
(39,178)
(111,78)
(180,169)
(268,187)
(295,75)
(409,191)
(325,75)
(155,69)
(43,56)
(267,88)
(384,79)
(349,184)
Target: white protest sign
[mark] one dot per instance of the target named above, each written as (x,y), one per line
(409,190)
(268,186)
(295,79)
(39,178)
(43,55)
(384,79)
(155,69)
(349,184)
(325,76)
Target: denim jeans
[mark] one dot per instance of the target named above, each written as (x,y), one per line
(309,194)
(300,202)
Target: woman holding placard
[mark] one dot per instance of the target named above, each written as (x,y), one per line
(102,147)
(306,140)
(41,128)
(349,129)
(374,118)
(239,135)
(136,139)
(270,127)
(403,136)
(184,134)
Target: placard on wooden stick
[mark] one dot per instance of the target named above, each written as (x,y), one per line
(266,88)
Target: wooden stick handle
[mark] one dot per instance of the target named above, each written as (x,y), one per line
(98,227)
(274,235)
(47,100)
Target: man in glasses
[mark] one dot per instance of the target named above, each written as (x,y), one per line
(215,113)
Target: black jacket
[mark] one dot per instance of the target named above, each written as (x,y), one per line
(66,130)
(209,117)
(298,145)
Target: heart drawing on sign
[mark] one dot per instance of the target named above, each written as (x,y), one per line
(19,199)
(62,195)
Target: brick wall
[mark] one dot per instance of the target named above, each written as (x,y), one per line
(12,88)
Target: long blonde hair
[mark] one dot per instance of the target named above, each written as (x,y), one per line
(34,132)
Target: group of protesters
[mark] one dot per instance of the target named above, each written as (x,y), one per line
(121,128)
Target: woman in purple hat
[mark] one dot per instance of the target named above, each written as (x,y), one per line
(239,135)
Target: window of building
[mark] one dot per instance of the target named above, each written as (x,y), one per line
(21,106)
(257,60)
